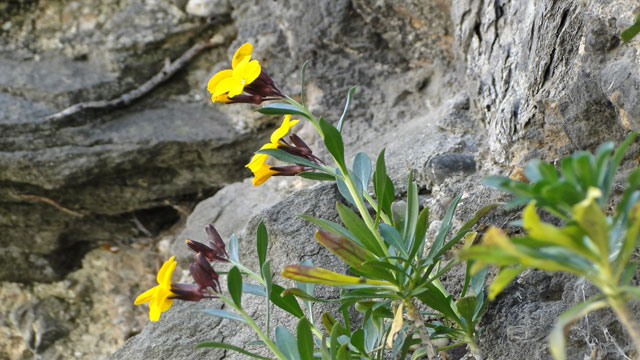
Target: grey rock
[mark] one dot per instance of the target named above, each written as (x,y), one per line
(207,8)
(42,322)
(443,166)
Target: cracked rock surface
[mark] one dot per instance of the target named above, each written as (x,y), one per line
(91,205)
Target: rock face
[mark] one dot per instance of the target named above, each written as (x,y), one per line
(455,90)
(99,176)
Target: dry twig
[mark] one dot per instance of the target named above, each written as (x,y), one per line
(47,201)
(167,71)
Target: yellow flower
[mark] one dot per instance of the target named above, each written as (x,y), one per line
(231,82)
(262,171)
(158,296)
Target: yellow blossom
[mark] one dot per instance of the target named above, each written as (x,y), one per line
(231,82)
(262,171)
(159,296)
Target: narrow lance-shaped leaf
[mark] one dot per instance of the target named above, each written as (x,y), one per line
(359,229)
(557,336)
(346,107)
(383,186)
(347,250)
(396,326)
(591,218)
(319,275)
(289,158)
(305,339)
(280,109)
(504,277)
(262,242)
(224,314)
(631,31)
(333,142)
(234,284)
(286,343)
(302,81)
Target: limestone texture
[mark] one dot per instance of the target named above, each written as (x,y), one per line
(455,90)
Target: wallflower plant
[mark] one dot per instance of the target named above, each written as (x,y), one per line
(395,282)
(590,241)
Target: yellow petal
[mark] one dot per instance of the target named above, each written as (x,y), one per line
(242,52)
(284,128)
(247,71)
(257,161)
(220,98)
(164,275)
(219,76)
(262,175)
(145,296)
(232,86)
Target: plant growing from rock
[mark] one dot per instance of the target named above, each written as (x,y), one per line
(396,272)
(590,242)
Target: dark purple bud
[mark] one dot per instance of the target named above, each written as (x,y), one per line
(303,153)
(203,274)
(263,86)
(297,141)
(199,247)
(288,170)
(216,243)
(246,99)
(187,292)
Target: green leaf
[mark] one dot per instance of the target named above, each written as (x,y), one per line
(233,249)
(286,302)
(438,301)
(411,214)
(467,309)
(445,226)
(419,353)
(383,186)
(234,284)
(219,345)
(422,225)
(311,175)
(561,326)
(347,250)
(224,314)
(631,31)
(504,277)
(359,229)
(343,352)
(331,227)
(302,79)
(328,321)
(280,109)
(615,162)
(346,107)
(253,289)
(392,237)
(362,169)
(628,272)
(286,343)
(317,275)
(333,142)
(593,221)
(262,242)
(305,339)
(289,158)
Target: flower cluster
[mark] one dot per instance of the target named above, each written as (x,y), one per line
(161,297)
(263,171)
(245,75)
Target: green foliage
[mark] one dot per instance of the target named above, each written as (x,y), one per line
(588,243)
(631,31)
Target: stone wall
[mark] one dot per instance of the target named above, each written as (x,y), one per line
(455,90)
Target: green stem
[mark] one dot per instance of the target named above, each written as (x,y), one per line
(248,272)
(306,113)
(265,339)
(374,204)
(362,208)
(618,304)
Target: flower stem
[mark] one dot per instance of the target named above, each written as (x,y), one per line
(265,338)
(364,212)
(418,323)
(619,306)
